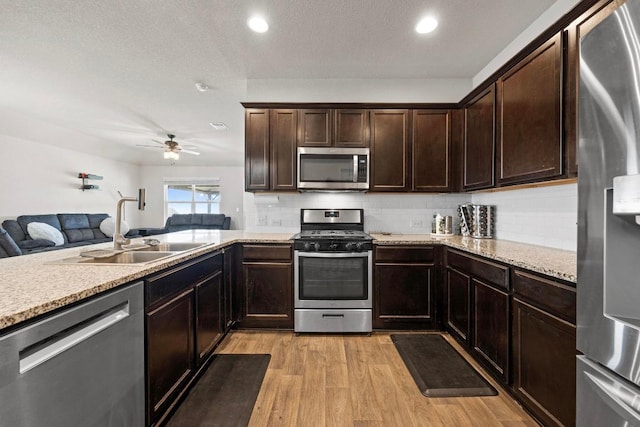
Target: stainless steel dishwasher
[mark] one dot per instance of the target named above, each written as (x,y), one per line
(83,366)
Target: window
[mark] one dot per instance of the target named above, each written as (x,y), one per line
(185,197)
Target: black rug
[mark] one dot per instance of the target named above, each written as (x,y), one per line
(224,396)
(438,369)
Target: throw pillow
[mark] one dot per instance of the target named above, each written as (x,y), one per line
(108,227)
(41,230)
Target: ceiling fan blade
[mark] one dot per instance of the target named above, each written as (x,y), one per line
(189,147)
(159,142)
(190,152)
(148,146)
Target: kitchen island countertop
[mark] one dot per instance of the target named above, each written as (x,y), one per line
(35,284)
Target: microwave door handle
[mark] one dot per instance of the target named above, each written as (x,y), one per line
(355,168)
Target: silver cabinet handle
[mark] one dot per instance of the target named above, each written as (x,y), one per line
(50,347)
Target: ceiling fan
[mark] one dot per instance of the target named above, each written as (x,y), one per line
(172,149)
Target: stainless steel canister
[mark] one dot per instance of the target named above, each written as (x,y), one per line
(476,220)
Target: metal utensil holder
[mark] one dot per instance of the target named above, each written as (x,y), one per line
(476,220)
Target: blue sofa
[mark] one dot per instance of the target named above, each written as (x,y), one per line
(179,222)
(78,229)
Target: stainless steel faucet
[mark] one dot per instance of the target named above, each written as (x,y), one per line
(118,238)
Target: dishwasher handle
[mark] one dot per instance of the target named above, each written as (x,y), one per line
(50,347)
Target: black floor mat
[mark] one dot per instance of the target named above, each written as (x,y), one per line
(438,369)
(224,396)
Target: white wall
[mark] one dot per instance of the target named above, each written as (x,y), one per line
(231,187)
(537,27)
(357,90)
(546,216)
(42,179)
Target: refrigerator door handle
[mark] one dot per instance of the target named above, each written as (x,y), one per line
(618,397)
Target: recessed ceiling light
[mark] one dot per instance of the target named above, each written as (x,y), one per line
(218,126)
(202,87)
(258,24)
(426,25)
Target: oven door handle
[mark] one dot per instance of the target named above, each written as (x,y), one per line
(363,254)
(325,315)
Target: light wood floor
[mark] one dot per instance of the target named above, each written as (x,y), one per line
(336,380)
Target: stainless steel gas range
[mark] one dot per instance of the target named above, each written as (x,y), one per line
(333,272)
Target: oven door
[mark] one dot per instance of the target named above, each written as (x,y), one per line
(333,279)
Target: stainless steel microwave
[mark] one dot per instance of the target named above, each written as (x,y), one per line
(321,168)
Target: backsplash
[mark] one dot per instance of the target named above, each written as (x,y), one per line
(545,216)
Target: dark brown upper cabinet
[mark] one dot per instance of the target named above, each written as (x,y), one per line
(530,117)
(431,150)
(283,165)
(333,128)
(351,128)
(390,150)
(479,150)
(256,149)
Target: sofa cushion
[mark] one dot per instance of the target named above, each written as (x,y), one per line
(15,231)
(50,219)
(73,221)
(180,219)
(196,219)
(96,219)
(79,235)
(41,230)
(213,219)
(8,246)
(34,244)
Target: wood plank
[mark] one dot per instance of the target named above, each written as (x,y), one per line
(354,380)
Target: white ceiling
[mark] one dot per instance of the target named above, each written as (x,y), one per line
(101,76)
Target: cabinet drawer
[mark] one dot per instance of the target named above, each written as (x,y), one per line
(267,252)
(495,274)
(557,298)
(404,254)
(175,280)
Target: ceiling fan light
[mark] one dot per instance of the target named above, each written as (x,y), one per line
(171,155)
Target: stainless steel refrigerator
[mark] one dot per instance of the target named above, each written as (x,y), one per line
(608,335)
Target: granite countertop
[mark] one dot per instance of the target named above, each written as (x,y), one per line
(35,284)
(557,263)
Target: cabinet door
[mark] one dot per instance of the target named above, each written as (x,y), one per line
(314,128)
(479,141)
(351,128)
(491,327)
(403,296)
(170,358)
(209,315)
(529,97)
(268,294)
(458,304)
(256,150)
(544,364)
(389,150)
(431,150)
(283,149)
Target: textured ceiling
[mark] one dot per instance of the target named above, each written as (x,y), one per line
(103,76)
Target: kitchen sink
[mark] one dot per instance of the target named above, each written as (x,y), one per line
(171,247)
(129,257)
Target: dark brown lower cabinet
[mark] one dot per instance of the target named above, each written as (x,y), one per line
(403,288)
(267,287)
(183,323)
(170,361)
(544,347)
(491,327)
(458,292)
(544,364)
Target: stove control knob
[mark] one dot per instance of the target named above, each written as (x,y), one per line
(308,246)
(350,246)
(333,246)
(359,246)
